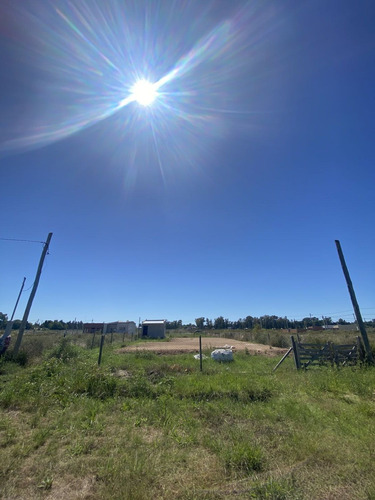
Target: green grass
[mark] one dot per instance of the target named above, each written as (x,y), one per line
(146,426)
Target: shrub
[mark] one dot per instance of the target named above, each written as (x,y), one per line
(280,340)
(100,385)
(33,347)
(64,350)
(260,337)
(21,358)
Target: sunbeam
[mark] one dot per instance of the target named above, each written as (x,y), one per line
(94,59)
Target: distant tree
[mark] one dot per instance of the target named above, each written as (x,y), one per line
(219,323)
(343,322)
(199,322)
(248,322)
(236,324)
(257,325)
(54,325)
(208,323)
(173,325)
(17,323)
(327,320)
(3,320)
(58,325)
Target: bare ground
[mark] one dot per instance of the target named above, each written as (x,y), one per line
(186,345)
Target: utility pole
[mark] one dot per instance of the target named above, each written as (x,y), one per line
(8,328)
(360,323)
(32,295)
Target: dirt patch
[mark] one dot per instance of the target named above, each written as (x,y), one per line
(73,488)
(184,345)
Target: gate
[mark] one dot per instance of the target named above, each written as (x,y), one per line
(306,355)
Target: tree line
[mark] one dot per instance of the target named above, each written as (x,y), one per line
(269,322)
(49,324)
(264,322)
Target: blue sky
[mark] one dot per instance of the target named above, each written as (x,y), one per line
(225,196)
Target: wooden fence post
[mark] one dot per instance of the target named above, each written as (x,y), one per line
(283,358)
(296,353)
(101,349)
(200,353)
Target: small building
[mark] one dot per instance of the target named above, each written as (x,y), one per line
(154,328)
(128,327)
(351,327)
(93,327)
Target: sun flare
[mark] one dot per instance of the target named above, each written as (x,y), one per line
(144,92)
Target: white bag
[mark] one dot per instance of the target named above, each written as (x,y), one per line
(222,355)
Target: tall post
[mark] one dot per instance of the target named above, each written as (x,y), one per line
(8,328)
(296,353)
(101,348)
(357,312)
(200,353)
(32,295)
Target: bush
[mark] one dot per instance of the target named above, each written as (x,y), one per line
(21,358)
(33,349)
(101,386)
(64,350)
(260,337)
(280,340)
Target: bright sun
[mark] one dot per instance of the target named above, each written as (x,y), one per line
(144,92)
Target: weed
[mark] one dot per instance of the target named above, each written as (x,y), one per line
(7,434)
(243,457)
(64,350)
(21,358)
(33,350)
(40,437)
(100,385)
(282,489)
(235,394)
(260,337)
(140,421)
(280,340)
(46,483)
(138,387)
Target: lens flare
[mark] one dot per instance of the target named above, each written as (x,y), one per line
(200,73)
(144,92)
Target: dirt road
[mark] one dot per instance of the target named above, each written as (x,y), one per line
(184,345)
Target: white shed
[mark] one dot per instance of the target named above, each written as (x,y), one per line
(154,328)
(128,327)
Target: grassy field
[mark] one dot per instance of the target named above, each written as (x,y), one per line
(143,426)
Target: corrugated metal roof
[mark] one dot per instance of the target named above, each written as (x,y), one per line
(153,322)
